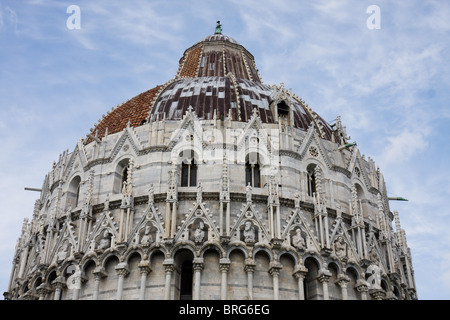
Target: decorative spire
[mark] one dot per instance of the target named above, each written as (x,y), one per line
(218,28)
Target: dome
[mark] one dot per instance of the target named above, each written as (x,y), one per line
(213,185)
(219,37)
(217,77)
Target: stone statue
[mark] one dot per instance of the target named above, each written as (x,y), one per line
(297,239)
(249,192)
(249,231)
(62,254)
(147,237)
(218,28)
(297,200)
(199,192)
(105,242)
(199,233)
(151,194)
(340,247)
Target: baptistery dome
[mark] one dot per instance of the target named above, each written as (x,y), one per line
(213,185)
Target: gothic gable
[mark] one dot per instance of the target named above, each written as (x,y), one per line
(249,226)
(299,234)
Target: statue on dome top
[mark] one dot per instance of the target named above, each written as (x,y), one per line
(218,28)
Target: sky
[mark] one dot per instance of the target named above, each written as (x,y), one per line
(63,64)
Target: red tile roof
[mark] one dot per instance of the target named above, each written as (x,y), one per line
(135,111)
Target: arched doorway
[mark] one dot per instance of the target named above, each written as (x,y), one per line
(184,275)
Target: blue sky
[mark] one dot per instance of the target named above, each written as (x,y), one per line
(390,86)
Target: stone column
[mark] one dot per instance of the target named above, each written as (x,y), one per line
(42,290)
(197,265)
(249,267)
(224,265)
(324,277)
(169,268)
(275,268)
(342,281)
(98,273)
(362,287)
(144,267)
(77,278)
(122,272)
(300,274)
(59,283)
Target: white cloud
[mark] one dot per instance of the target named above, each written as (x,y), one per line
(403,146)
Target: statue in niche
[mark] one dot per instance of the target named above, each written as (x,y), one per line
(249,231)
(105,241)
(147,237)
(63,252)
(297,239)
(340,247)
(199,233)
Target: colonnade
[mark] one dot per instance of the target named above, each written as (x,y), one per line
(122,271)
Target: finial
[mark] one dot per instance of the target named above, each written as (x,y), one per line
(218,28)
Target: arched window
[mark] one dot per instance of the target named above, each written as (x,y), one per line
(253,171)
(252,175)
(120,175)
(189,174)
(73,193)
(124,175)
(283,109)
(189,169)
(311,179)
